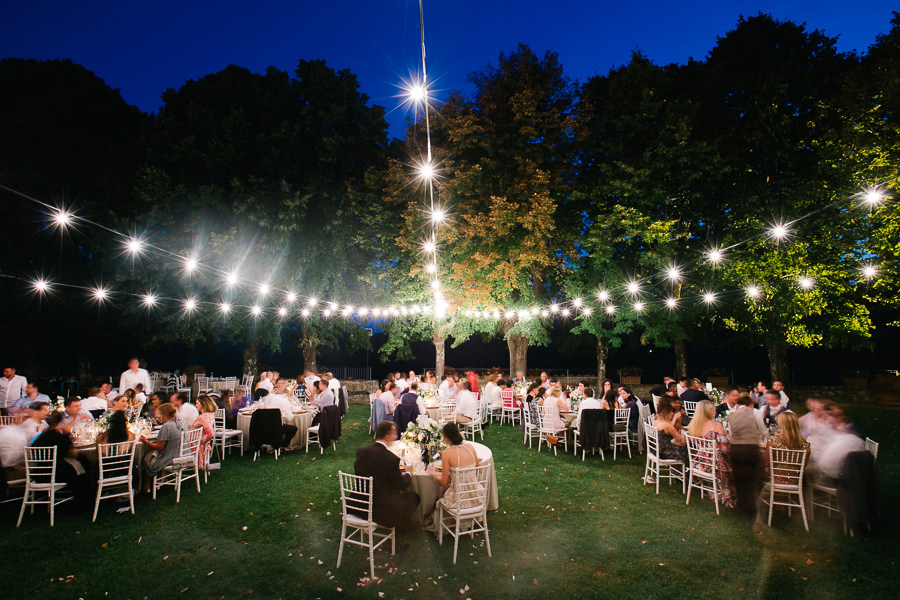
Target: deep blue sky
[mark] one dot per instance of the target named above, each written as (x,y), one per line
(142,48)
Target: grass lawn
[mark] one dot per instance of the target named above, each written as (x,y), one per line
(565,529)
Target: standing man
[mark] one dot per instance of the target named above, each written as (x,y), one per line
(12,387)
(731,401)
(133,376)
(758,393)
(333,384)
(778,386)
(747,433)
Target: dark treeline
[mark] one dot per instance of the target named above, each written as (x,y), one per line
(556,189)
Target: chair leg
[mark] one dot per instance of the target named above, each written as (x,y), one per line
(487,537)
(393,541)
(371,552)
(97,503)
(803,512)
(440,523)
(456,540)
(341,547)
(689,487)
(771,503)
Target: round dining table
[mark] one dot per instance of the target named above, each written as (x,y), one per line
(302,420)
(430,491)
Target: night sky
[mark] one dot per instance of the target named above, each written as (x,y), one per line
(142,48)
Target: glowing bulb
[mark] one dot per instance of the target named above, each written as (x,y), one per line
(190,304)
(256,310)
(148,300)
(190,265)
(312,301)
(523,314)
(305,312)
(100,294)
(577,302)
(326,312)
(870,271)
(709,297)
(673,274)
(332,306)
(510,314)
(554,308)
(225,308)
(587,311)
(535,310)
(231,279)
(348,310)
(437,215)
(610,310)
(468,313)
(135,246)
(436,284)
(426,171)
(431,268)
(638,306)
(671,302)
(430,247)
(291,297)
(603,295)
(805,283)
(753,291)
(282,311)
(565,312)
(62,218)
(41,286)
(714,256)
(545,313)
(873,197)
(363,311)
(496,314)
(633,287)
(417,93)
(377,312)
(778,232)
(264,289)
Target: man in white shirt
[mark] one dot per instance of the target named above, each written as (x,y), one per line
(588,403)
(278,400)
(334,385)
(402,384)
(466,405)
(94,401)
(185,411)
(778,386)
(12,387)
(265,382)
(106,393)
(324,397)
(133,376)
(36,422)
(12,451)
(310,378)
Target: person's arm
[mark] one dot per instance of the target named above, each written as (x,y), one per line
(442,476)
(122,386)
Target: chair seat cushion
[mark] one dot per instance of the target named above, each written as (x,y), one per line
(463,512)
(115,480)
(355,521)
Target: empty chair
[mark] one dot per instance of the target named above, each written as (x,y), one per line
(7,420)
(660,468)
(231,384)
(467,514)
(592,432)
(226,438)
(203,386)
(475,425)
(532,429)
(327,432)
(620,431)
(689,408)
(785,485)
(356,515)
(266,430)
(702,468)
(40,480)
(115,464)
(185,466)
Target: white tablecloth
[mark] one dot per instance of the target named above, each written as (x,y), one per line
(301,421)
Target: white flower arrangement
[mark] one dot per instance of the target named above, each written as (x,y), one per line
(521,388)
(429,396)
(425,433)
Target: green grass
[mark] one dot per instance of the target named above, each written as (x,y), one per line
(565,529)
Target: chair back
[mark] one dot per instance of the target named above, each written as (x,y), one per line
(592,427)
(546,416)
(265,427)
(872,447)
(40,464)
(786,466)
(203,382)
(190,442)
(448,412)
(470,486)
(622,415)
(689,408)
(231,384)
(219,423)
(702,454)
(7,420)
(652,437)
(115,460)
(356,495)
(404,414)
(508,396)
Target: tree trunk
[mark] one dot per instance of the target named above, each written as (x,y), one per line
(309,348)
(681,364)
(778,362)
(518,353)
(601,361)
(251,356)
(439,355)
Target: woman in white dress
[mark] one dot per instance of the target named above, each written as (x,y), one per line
(553,405)
(458,455)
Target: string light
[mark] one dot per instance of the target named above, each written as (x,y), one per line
(753,291)
(190,304)
(225,308)
(332,306)
(870,271)
(603,295)
(426,170)
(417,93)
(587,311)
(41,286)
(671,302)
(62,218)
(565,312)
(264,290)
(638,306)
(282,311)
(577,302)
(714,256)
(610,310)
(148,300)
(256,310)
(326,313)
(305,312)
(312,301)
(709,297)
(190,265)
(554,308)
(435,284)
(231,279)
(430,247)
(431,268)
(100,294)
(806,283)
(438,215)
(135,246)
(673,274)
(778,232)
(545,313)
(291,297)
(873,197)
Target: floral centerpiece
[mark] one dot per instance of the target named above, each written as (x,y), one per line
(715,396)
(58,404)
(575,398)
(429,396)
(521,388)
(426,434)
(104,420)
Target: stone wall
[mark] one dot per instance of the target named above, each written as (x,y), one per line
(359,390)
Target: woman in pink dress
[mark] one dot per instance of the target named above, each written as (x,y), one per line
(206,421)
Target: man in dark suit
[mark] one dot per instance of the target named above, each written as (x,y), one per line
(732,393)
(393,503)
(694,393)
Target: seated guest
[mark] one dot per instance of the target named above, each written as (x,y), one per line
(731,401)
(747,433)
(787,436)
(588,403)
(683,384)
(778,386)
(94,404)
(402,384)
(668,424)
(31,396)
(380,403)
(140,398)
(73,415)
(68,469)
(412,397)
(609,401)
(817,418)
(673,388)
(185,412)
(393,504)
(694,393)
(660,389)
(530,403)
(758,393)
(457,455)
(106,393)
(704,425)
(207,422)
(324,397)
(769,413)
(447,389)
(519,378)
(553,405)
(167,445)
(265,383)
(36,422)
(117,431)
(466,405)
(840,420)
(387,397)
(120,404)
(148,410)
(13,441)
(278,399)
(492,391)
(631,403)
